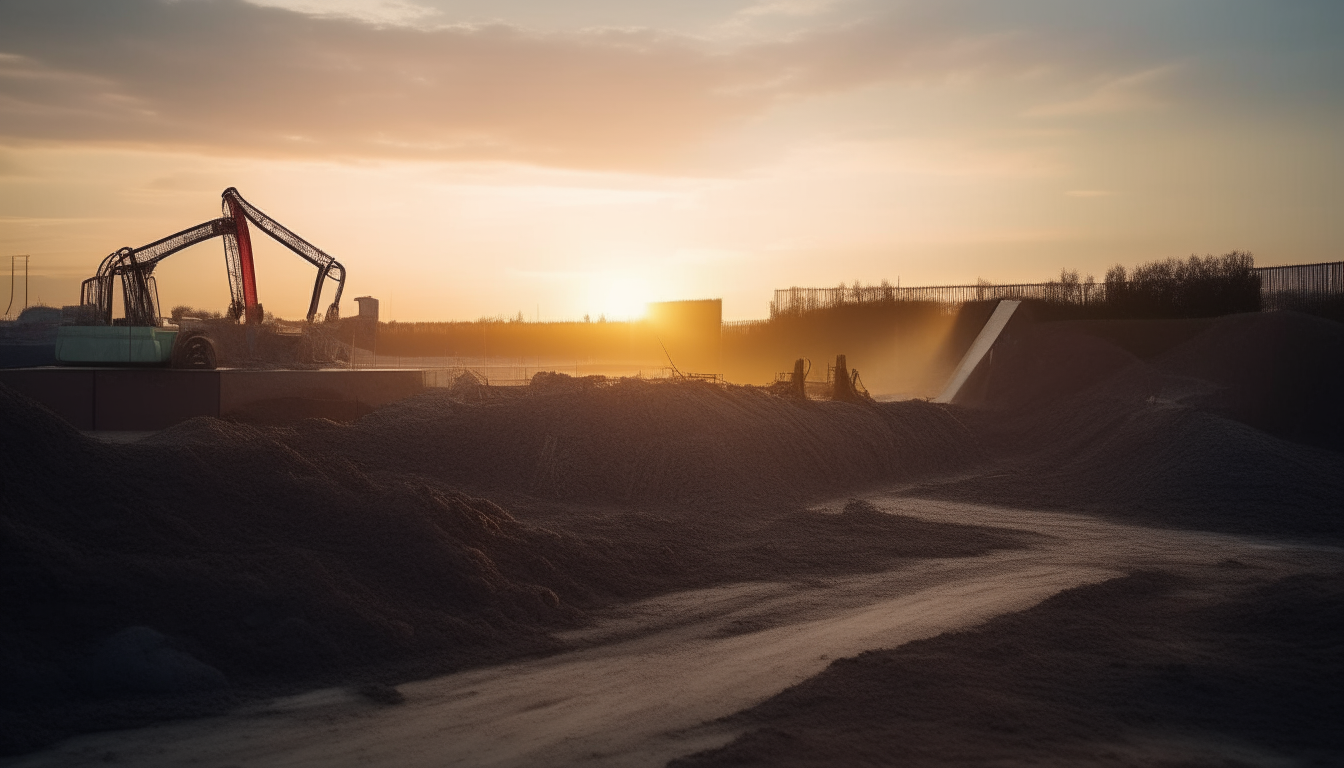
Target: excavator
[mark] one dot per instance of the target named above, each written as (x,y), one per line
(141,337)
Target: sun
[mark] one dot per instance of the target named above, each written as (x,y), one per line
(619,296)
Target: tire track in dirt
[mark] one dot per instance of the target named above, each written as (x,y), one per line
(647,682)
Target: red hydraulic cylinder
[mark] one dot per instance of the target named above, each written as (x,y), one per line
(252,310)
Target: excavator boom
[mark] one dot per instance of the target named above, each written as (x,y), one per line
(135,267)
(241,211)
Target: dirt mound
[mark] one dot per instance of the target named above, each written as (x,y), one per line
(656,442)
(1150,669)
(204,430)
(36,447)
(1208,432)
(1035,365)
(138,579)
(1160,464)
(253,560)
(1281,372)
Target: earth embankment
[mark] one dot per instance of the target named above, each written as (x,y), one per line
(655,442)
(1226,667)
(215,560)
(1232,424)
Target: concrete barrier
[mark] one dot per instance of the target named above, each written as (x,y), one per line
(979,348)
(239,389)
(133,400)
(69,394)
(139,399)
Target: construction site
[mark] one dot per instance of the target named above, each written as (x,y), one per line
(955,523)
(117,362)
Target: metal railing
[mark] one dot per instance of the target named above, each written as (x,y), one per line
(1285,287)
(1300,285)
(790,301)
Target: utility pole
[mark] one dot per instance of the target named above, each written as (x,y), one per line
(13,263)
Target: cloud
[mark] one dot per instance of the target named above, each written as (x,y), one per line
(788,8)
(240,79)
(224,75)
(1122,94)
(375,11)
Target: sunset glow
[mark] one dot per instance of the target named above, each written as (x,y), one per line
(714,383)
(467,159)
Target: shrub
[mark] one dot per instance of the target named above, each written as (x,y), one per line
(1201,286)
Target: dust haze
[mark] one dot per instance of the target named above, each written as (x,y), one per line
(741,383)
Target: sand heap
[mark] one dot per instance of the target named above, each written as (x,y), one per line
(254,561)
(222,554)
(654,442)
(1279,372)
(1238,427)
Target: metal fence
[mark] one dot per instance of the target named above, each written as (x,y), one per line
(1300,285)
(1286,287)
(792,301)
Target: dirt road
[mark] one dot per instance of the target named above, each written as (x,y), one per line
(646,683)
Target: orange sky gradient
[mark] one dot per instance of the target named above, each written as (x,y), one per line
(465,159)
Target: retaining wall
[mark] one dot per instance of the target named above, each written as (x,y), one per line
(130,399)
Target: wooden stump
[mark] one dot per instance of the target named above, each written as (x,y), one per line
(842,388)
(799,383)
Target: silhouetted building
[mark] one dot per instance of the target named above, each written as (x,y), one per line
(368,308)
(691,332)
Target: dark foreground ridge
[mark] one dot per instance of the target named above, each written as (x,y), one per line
(1142,670)
(219,561)
(642,442)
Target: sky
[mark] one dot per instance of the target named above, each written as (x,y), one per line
(468,159)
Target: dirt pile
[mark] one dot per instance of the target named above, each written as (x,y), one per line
(1165,465)
(654,442)
(1280,372)
(1142,670)
(254,561)
(1231,429)
(135,579)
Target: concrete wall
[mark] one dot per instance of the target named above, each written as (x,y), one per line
(69,395)
(131,399)
(239,389)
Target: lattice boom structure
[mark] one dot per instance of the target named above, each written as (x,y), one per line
(135,268)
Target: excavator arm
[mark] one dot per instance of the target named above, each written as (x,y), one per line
(135,267)
(238,248)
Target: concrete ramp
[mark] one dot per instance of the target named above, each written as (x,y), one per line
(979,348)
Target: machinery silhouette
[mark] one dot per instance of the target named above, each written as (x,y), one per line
(94,340)
(135,267)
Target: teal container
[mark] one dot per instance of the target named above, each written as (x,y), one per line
(114,345)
